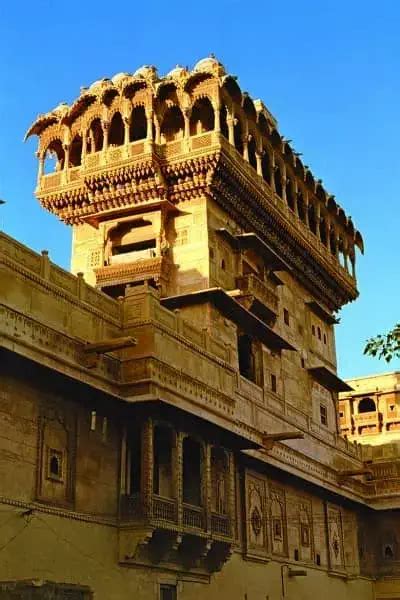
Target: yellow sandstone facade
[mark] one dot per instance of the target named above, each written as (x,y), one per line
(169,424)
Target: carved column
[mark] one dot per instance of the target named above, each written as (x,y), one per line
(207,486)
(149,121)
(179,476)
(295,193)
(127,123)
(284,182)
(318,220)
(246,148)
(273,168)
(186,118)
(40,167)
(259,164)
(157,130)
(106,127)
(231,129)
(84,147)
(306,207)
(231,492)
(66,161)
(217,116)
(147,466)
(345,255)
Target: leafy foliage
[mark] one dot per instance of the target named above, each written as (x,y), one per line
(385,346)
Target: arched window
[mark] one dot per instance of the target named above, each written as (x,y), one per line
(95,138)
(54,157)
(116,134)
(332,242)
(323,232)
(202,117)
(238,135)
(278,181)
(173,124)
(219,480)
(366,405)
(266,166)
(162,466)
(312,220)
(246,357)
(138,125)
(223,122)
(300,207)
(192,467)
(289,194)
(75,152)
(252,148)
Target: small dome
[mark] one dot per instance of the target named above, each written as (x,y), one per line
(146,71)
(61,108)
(210,65)
(99,83)
(178,72)
(119,77)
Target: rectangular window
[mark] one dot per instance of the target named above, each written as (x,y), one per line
(273,383)
(323,413)
(286,317)
(168,592)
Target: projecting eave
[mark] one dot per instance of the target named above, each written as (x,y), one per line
(246,241)
(329,379)
(322,313)
(234,312)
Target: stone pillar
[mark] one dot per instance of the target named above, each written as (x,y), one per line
(106,127)
(147,466)
(186,117)
(259,164)
(318,220)
(246,148)
(157,128)
(295,191)
(40,167)
(127,122)
(207,485)
(231,130)
(306,207)
(284,182)
(273,168)
(345,256)
(217,116)
(84,147)
(179,476)
(231,493)
(149,120)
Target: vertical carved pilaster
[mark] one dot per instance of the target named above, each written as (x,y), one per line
(217,116)
(273,167)
(231,129)
(231,492)
(318,220)
(306,208)
(259,164)
(147,466)
(284,182)
(207,486)
(179,476)
(40,167)
(127,124)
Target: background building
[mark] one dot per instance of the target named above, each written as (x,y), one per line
(169,421)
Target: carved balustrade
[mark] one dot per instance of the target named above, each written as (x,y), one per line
(253,289)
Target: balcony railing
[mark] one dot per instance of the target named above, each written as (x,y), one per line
(221,525)
(193,516)
(129,272)
(368,418)
(251,285)
(164,509)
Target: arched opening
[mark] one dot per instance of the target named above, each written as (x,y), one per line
(95,138)
(312,220)
(323,231)
(223,114)
(266,167)
(75,152)
(300,207)
(202,117)
(219,480)
(278,181)
(332,242)
(130,241)
(246,356)
(366,405)
(162,466)
(290,194)
(192,467)
(55,466)
(138,124)
(173,125)
(252,148)
(116,133)
(238,135)
(54,157)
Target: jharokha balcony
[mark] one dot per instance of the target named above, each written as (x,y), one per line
(133,267)
(258,296)
(368,422)
(177,500)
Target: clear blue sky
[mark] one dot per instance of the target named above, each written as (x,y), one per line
(329,71)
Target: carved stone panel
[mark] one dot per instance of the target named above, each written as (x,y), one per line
(335,538)
(278,522)
(256,510)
